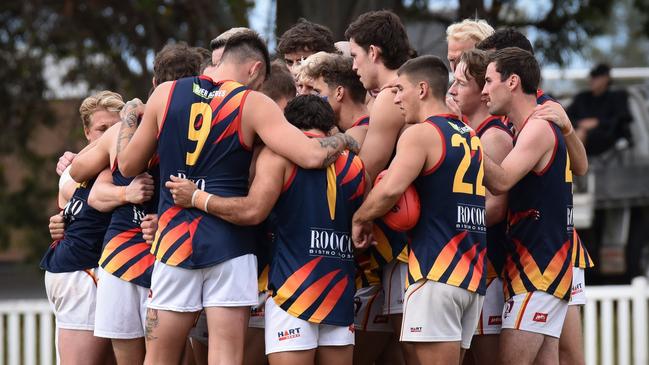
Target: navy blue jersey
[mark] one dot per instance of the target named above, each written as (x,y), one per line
(362,121)
(85,227)
(312,268)
(542,97)
(125,253)
(449,241)
(540,227)
(200,139)
(496,234)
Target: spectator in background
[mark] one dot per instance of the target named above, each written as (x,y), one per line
(600,116)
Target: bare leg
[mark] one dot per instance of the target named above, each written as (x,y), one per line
(484,349)
(519,347)
(129,351)
(227,332)
(188,354)
(166,333)
(368,346)
(406,347)
(549,352)
(392,354)
(339,355)
(306,357)
(255,348)
(434,353)
(81,347)
(571,343)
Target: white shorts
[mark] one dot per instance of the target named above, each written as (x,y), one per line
(578,293)
(257,312)
(287,333)
(395,274)
(72,296)
(491,315)
(369,316)
(437,312)
(121,308)
(232,283)
(537,312)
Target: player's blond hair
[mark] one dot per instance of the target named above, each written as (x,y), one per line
(469,29)
(103,100)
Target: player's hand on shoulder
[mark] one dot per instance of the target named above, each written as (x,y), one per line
(64,161)
(554,112)
(132,106)
(140,189)
(149,226)
(57,226)
(182,191)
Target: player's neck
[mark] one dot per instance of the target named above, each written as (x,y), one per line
(521,108)
(478,116)
(385,76)
(349,114)
(433,107)
(225,71)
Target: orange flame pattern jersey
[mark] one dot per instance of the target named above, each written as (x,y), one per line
(312,269)
(449,241)
(580,256)
(200,139)
(539,251)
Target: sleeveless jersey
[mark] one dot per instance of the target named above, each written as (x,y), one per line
(580,256)
(312,269)
(200,139)
(84,232)
(540,228)
(449,241)
(542,97)
(496,234)
(364,120)
(125,254)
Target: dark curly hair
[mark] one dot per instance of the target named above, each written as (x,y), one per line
(310,112)
(382,29)
(306,36)
(503,38)
(175,61)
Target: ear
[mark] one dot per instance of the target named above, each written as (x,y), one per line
(86,132)
(374,52)
(255,70)
(513,81)
(423,90)
(339,93)
(153,82)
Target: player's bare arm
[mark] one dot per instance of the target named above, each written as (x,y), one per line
(94,158)
(136,144)
(357,133)
(555,113)
(263,117)
(532,151)
(496,144)
(408,163)
(105,196)
(246,210)
(386,123)
(65,193)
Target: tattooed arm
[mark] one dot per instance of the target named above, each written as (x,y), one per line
(136,144)
(261,116)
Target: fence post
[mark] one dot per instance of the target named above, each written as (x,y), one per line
(639,285)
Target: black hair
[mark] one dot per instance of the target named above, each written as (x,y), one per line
(503,38)
(310,112)
(248,45)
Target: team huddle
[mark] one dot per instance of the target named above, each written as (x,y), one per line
(238,217)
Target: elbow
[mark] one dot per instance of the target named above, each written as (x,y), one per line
(498,187)
(75,173)
(313,161)
(125,168)
(250,217)
(580,170)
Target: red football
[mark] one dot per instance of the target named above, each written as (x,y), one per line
(405,213)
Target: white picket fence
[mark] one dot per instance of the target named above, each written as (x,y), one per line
(616,330)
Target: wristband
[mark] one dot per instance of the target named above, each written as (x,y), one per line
(206,200)
(194,198)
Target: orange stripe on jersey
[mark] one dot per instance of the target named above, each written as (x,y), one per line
(311,294)
(403,255)
(163,221)
(329,301)
(528,296)
(477,271)
(443,260)
(262,281)
(413,266)
(139,267)
(117,241)
(382,243)
(556,264)
(170,238)
(354,170)
(514,277)
(185,249)
(462,267)
(530,268)
(125,256)
(341,162)
(332,191)
(295,280)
